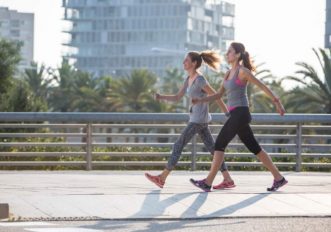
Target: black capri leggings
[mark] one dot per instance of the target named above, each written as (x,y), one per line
(238,124)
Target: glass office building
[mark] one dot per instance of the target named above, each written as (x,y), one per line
(113,37)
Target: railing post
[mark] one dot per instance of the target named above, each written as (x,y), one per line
(298,148)
(88,147)
(194,153)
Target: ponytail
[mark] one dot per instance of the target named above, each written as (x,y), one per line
(211,58)
(244,55)
(247,62)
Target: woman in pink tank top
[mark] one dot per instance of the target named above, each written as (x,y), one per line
(235,87)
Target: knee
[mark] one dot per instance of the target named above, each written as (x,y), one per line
(219,147)
(218,153)
(257,150)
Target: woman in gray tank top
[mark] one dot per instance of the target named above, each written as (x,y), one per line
(235,87)
(195,86)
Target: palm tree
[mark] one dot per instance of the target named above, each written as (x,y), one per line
(9,59)
(315,95)
(62,93)
(38,79)
(134,93)
(172,80)
(91,94)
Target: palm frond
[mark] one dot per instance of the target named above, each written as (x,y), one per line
(326,66)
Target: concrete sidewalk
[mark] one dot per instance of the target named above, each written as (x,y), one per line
(80,195)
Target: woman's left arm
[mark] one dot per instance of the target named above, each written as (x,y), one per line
(211,91)
(249,77)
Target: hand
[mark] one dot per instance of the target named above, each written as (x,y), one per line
(280,108)
(195,100)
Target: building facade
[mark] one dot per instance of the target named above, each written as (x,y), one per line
(327,39)
(18,26)
(113,37)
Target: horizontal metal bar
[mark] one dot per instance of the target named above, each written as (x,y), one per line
(150,117)
(144,163)
(138,135)
(273,127)
(167,126)
(184,154)
(40,135)
(316,146)
(127,125)
(316,136)
(188,145)
(45,125)
(249,164)
(42,144)
(147,135)
(316,165)
(172,135)
(42,154)
(42,163)
(317,155)
(181,163)
(138,125)
(324,127)
(136,154)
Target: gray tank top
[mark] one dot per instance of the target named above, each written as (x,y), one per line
(199,113)
(236,92)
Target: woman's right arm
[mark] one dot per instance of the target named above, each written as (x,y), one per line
(174,98)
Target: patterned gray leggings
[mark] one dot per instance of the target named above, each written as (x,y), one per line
(190,130)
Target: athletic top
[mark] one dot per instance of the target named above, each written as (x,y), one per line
(236,92)
(199,113)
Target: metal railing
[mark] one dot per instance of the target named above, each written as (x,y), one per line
(140,140)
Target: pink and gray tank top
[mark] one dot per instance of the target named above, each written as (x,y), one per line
(236,92)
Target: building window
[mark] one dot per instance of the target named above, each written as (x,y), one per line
(14,23)
(15,33)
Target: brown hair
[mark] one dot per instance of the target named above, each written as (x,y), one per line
(211,58)
(244,55)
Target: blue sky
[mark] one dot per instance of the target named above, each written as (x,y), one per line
(277,32)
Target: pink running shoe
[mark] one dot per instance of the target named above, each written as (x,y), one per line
(155,179)
(225,185)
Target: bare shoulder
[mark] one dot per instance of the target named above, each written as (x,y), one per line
(244,71)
